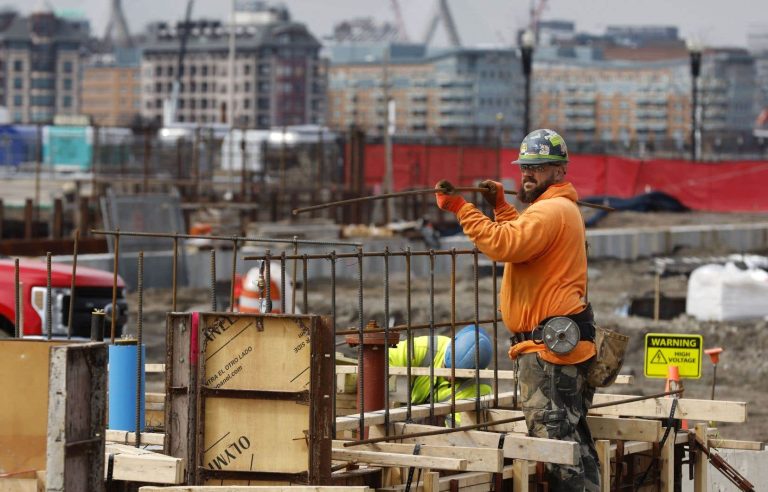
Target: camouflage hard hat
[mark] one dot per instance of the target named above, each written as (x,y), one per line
(541,147)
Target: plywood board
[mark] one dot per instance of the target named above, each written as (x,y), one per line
(256,435)
(266,354)
(24,411)
(687,408)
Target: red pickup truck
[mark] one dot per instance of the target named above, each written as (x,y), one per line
(93,290)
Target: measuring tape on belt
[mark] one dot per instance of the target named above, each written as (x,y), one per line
(560,334)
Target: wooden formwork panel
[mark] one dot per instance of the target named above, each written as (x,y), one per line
(24,410)
(256,392)
(77,406)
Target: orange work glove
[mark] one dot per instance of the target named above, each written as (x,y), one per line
(447,199)
(495,194)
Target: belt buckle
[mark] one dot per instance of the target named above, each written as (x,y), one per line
(537,334)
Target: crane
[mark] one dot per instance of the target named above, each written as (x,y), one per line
(537,8)
(171,104)
(442,13)
(402,33)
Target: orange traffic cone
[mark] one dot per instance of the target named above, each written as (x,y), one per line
(673,384)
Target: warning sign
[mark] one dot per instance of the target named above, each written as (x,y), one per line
(667,349)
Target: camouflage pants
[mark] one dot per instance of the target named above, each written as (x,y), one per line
(555,401)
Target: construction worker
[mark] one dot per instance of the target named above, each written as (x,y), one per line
(543,288)
(421,356)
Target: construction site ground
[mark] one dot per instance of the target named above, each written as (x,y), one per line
(742,374)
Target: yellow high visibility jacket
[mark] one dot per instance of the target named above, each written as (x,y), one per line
(422,356)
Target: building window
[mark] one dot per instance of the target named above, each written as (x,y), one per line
(169,70)
(17,83)
(204,87)
(158,87)
(246,103)
(42,84)
(204,70)
(193,70)
(247,87)
(158,71)
(192,104)
(67,67)
(246,69)
(67,84)
(18,101)
(158,103)
(192,87)
(41,100)
(204,104)
(66,101)
(18,65)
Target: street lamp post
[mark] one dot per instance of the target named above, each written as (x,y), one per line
(695,53)
(526,56)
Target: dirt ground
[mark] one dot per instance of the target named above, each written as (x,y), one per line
(742,374)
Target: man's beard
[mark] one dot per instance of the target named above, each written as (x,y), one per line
(529,196)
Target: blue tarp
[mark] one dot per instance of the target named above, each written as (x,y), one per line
(17,144)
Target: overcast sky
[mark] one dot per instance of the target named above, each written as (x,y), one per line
(711,22)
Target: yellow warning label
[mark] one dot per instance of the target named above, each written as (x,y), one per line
(666,349)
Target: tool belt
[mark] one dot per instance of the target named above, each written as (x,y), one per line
(585,321)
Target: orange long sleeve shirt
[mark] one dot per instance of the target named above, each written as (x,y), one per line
(545,272)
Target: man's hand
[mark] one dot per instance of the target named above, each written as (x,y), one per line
(495,194)
(446,197)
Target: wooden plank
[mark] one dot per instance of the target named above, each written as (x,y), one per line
(24,409)
(520,476)
(139,465)
(77,407)
(478,459)
(180,385)
(701,465)
(515,446)
(717,442)
(506,375)
(668,466)
(350,422)
(612,428)
(258,488)
(126,437)
(603,448)
(687,408)
(397,459)
(154,368)
(464,480)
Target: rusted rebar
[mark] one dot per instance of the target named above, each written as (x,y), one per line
(139,337)
(72,293)
(425,191)
(115,265)
(17,298)
(48,299)
(243,239)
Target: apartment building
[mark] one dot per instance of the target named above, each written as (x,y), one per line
(460,92)
(279,78)
(111,92)
(40,65)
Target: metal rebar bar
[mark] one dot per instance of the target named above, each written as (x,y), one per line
(213,280)
(72,292)
(495,297)
(453,337)
(510,420)
(282,283)
(113,307)
(293,274)
(48,295)
(476,281)
(139,332)
(333,321)
(425,191)
(361,326)
(243,239)
(409,332)
(432,340)
(377,254)
(304,283)
(386,337)
(424,326)
(268,280)
(17,298)
(232,277)
(174,271)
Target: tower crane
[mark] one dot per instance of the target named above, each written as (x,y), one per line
(402,33)
(171,105)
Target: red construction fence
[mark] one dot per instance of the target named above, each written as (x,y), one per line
(734,186)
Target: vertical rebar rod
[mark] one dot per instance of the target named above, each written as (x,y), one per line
(17,298)
(360,327)
(333,320)
(139,332)
(304,280)
(432,347)
(409,333)
(293,275)
(284,293)
(476,275)
(72,286)
(113,314)
(453,337)
(494,295)
(386,337)
(174,270)
(268,279)
(48,295)
(232,277)
(213,280)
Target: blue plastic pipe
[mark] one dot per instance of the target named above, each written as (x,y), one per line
(122,387)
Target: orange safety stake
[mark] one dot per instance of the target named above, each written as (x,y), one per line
(714,356)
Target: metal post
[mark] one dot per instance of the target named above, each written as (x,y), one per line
(526,56)
(695,54)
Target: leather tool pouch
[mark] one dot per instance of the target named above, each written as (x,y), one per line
(610,347)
